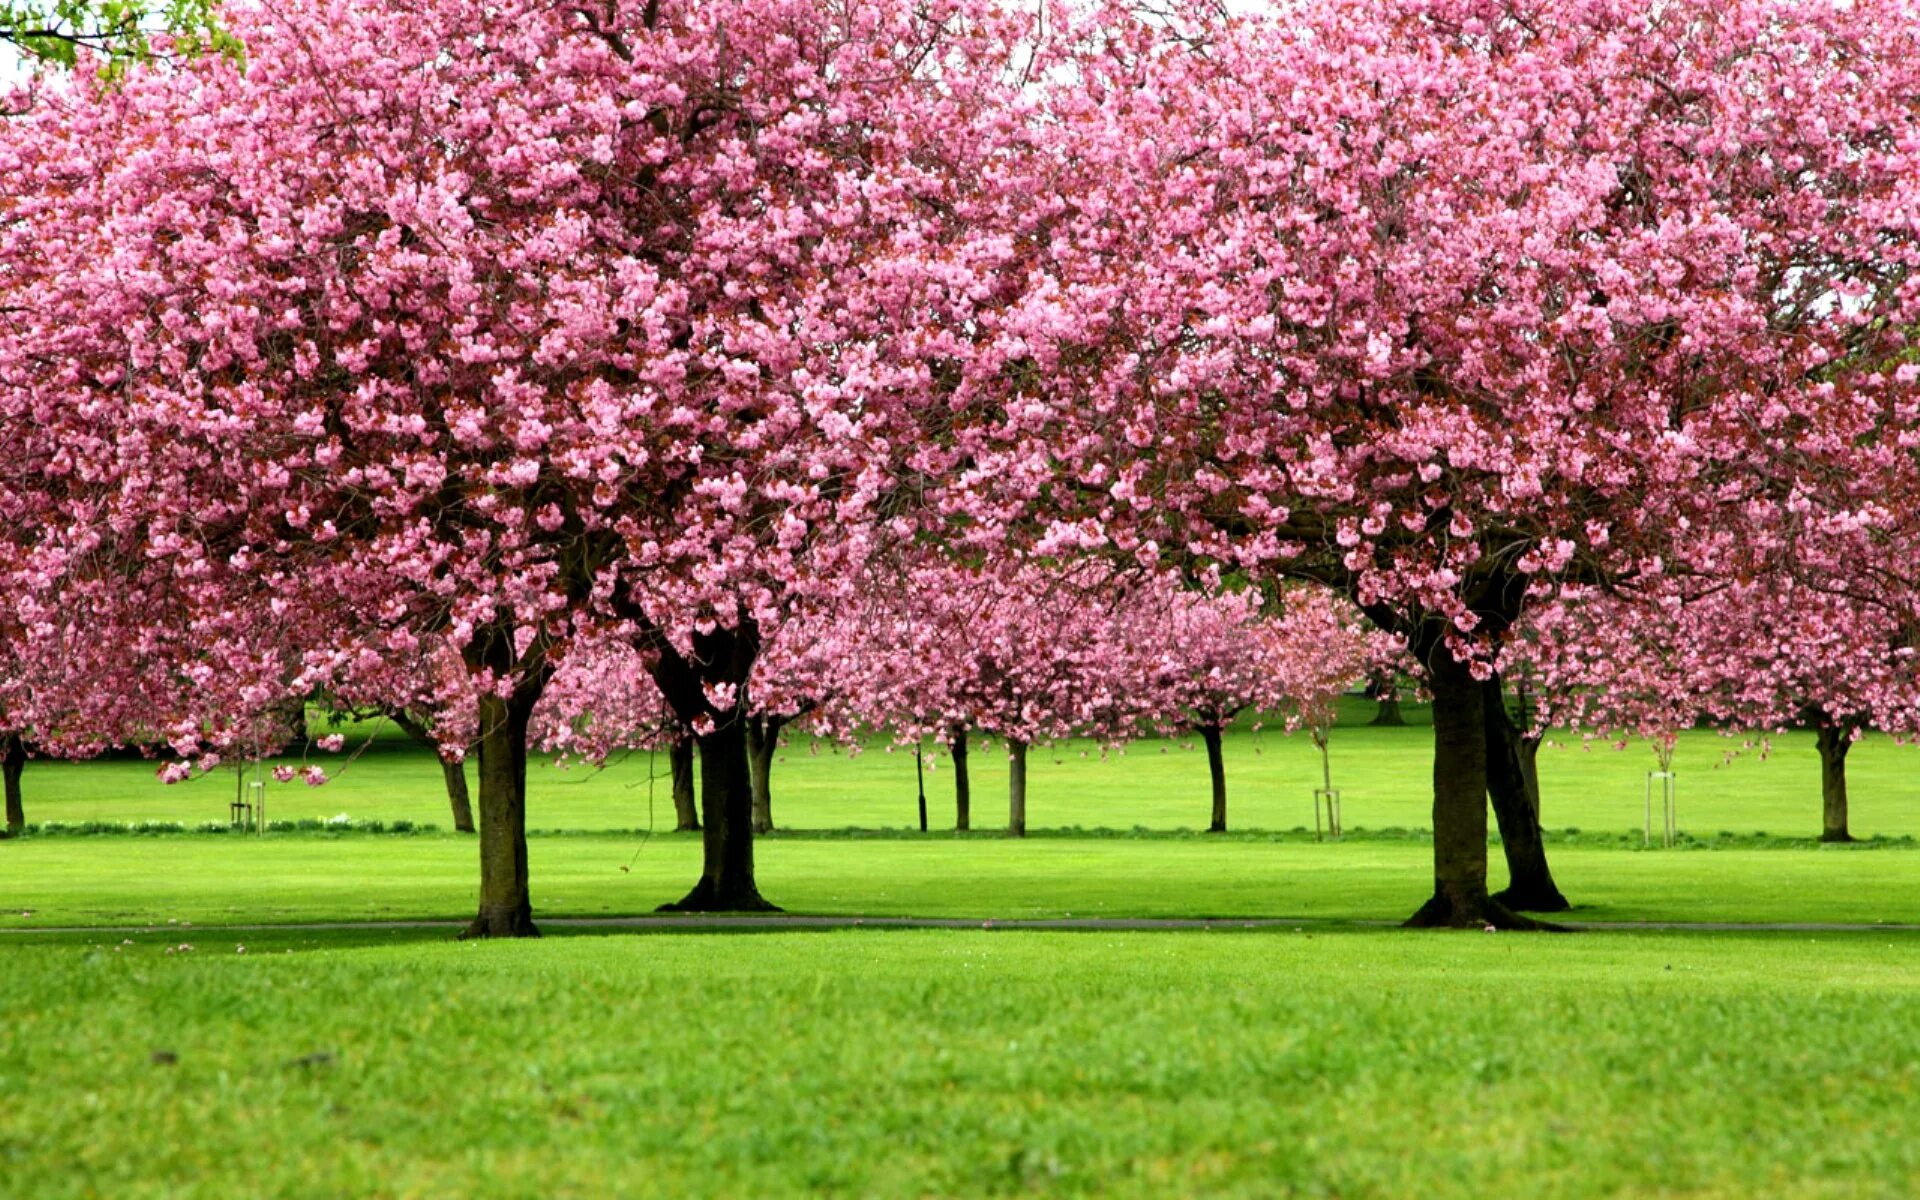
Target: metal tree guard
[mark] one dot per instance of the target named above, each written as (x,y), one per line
(1669,804)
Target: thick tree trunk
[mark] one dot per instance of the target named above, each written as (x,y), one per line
(726,796)
(13,763)
(722,656)
(1833,742)
(506,907)
(1017,789)
(458,797)
(1217,767)
(1389,711)
(1460,899)
(962,786)
(1513,786)
(686,813)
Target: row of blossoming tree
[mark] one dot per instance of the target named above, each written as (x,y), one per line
(413,355)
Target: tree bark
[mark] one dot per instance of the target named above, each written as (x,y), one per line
(1017,789)
(763,738)
(1460,899)
(920,782)
(13,763)
(1217,767)
(1833,742)
(962,786)
(726,798)
(686,813)
(293,714)
(1389,711)
(506,907)
(721,656)
(458,798)
(1513,786)
(454,773)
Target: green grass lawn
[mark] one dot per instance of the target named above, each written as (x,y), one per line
(1353,1064)
(225,879)
(1321,1059)
(1384,775)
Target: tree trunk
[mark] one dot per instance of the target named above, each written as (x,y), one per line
(720,656)
(1017,789)
(1460,899)
(457,795)
(1389,711)
(1216,765)
(1834,740)
(726,796)
(506,907)
(920,782)
(454,773)
(763,738)
(13,763)
(293,714)
(1515,791)
(686,813)
(962,787)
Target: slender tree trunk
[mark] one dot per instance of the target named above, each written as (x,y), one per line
(962,787)
(1833,741)
(1460,899)
(1389,710)
(1017,789)
(506,906)
(1515,791)
(1217,767)
(763,738)
(686,812)
(1530,768)
(13,763)
(920,783)
(454,773)
(726,796)
(458,797)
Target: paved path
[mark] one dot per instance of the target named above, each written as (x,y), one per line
(677,922)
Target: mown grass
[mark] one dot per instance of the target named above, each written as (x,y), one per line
(1384,776)
(1349,1064)
(284,878)
(1317,1060)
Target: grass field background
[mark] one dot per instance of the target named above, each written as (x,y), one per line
(1354,1064)
(180,1056)
(1384,775)
(233,880)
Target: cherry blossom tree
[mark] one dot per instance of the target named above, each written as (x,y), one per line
(603,701)
(1198,658)
(501,326)
(1757,656)
(809,672)
(1447,305)
(1026,652)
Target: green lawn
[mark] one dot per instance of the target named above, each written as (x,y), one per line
(1383,774)
(224,879)
(1351,1064)
(1322,1059)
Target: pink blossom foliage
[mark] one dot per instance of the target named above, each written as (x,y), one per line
(479,325)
